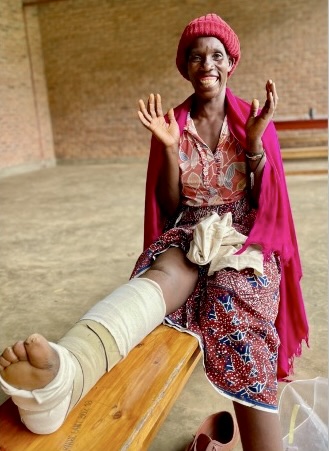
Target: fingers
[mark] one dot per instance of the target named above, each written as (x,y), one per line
(171,115)
(154,106)
(151,105)
(143,114)
(272,96)
(152,111)
(271,101)
(254,108)
(158,105)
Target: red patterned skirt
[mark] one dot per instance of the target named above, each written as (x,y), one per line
(232,313)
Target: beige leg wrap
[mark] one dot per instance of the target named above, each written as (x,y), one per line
(93,346)
(130,312)
(94,351)
(86,352)
(110,329)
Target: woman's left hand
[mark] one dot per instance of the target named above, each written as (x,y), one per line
(257,123)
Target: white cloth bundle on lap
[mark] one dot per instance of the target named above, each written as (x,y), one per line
(215,241)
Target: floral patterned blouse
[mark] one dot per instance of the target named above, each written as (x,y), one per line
(211,178)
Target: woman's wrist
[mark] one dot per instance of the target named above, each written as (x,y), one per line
(256,167)
(172,149)
(254,147)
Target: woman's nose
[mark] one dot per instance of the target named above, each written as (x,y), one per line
(208,63)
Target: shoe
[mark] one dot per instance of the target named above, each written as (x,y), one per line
(218,432)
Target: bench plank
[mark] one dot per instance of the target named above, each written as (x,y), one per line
(300,153)
(301,124)
(125,409)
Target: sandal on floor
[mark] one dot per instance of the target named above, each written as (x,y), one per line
(218,432)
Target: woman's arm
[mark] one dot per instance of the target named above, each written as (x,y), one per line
(168,188)
(255,127)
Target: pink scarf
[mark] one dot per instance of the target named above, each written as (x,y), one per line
(273,229)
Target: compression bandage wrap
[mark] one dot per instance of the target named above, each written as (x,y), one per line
(96,343)
(130,312)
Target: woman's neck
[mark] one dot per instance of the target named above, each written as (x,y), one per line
(208,109)
(208,118)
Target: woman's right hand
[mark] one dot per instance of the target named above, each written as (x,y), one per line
(153,119)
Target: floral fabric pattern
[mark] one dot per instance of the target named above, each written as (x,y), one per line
(211,178)
(232,313)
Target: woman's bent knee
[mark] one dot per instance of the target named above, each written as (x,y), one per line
(176,275)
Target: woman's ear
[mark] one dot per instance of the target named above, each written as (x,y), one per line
(231,62)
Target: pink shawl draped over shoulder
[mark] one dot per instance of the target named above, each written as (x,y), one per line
(273,228)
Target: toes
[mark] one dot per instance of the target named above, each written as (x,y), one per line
(13,354)
(3,363)
(20,351)
(39,352)
(34,340)
(9,355)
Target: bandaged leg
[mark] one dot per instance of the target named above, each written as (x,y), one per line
(103,336)
(94,351)
(110,329)
(130,313)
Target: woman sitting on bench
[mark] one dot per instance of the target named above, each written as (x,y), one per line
(220,257)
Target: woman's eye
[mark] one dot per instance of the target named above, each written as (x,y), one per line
(195,58)
(218,56)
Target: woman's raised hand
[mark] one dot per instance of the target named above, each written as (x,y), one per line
(153,119)
(257,123)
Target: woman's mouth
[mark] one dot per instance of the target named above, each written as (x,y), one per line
(208,82)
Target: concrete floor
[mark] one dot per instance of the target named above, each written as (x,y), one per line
(71,234)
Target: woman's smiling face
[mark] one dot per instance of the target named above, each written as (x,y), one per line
(208,66)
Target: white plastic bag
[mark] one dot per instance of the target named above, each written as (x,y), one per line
(303,410)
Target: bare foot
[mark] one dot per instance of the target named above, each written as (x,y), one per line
(29,364)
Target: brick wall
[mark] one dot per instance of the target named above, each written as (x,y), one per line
(100,56)
(25,129)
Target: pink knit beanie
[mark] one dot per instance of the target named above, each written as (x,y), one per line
(209,25)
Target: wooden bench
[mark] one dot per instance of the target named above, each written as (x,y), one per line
(305,151)
(298,149)
(125,409)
